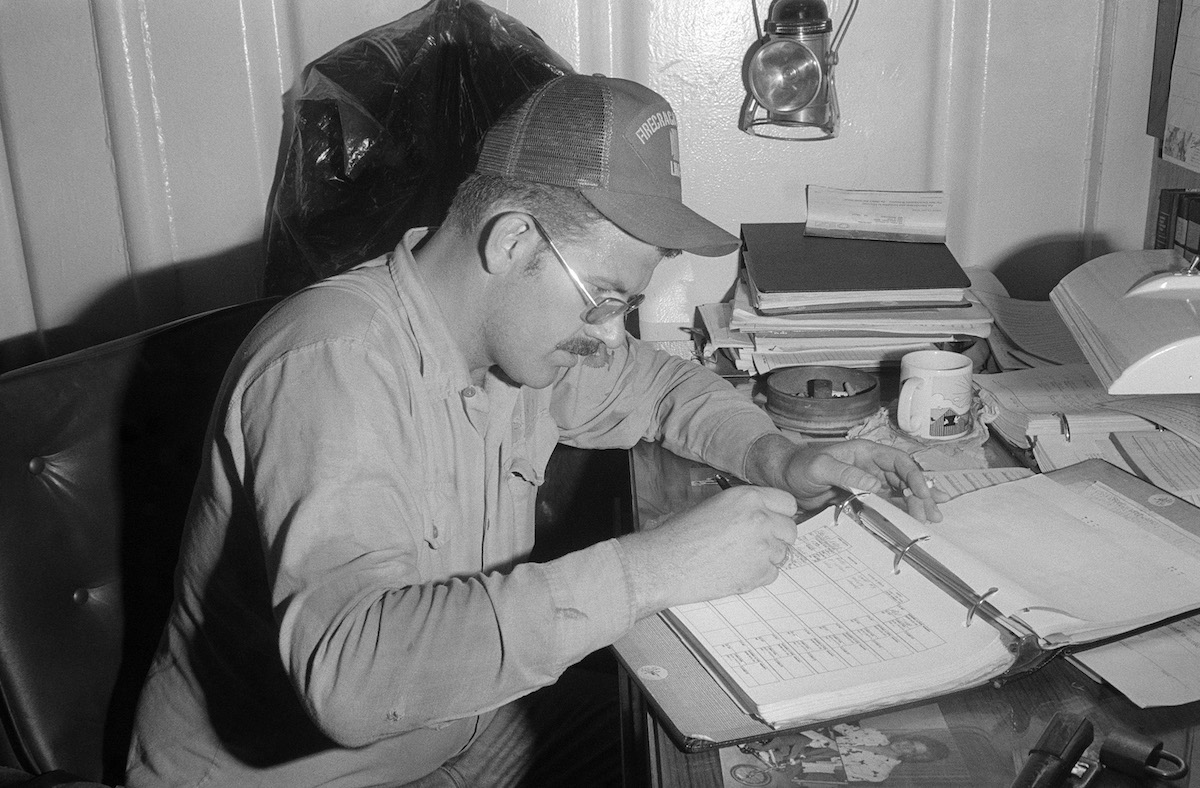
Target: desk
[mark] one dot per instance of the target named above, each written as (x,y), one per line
(993,728)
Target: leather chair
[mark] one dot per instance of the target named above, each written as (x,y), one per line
(98,453)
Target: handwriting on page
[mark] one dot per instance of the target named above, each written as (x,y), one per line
(826,612)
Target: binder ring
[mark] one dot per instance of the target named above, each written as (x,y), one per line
(837,510)
(979,600)
(900,555)
(1063,425)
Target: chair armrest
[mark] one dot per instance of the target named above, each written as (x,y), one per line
(13,778)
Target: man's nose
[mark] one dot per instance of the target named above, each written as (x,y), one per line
(611,332)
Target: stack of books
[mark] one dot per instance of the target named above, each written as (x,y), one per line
(846,289)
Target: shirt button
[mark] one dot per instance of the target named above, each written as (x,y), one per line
(469,391)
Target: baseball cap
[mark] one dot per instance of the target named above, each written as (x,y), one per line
(617,143)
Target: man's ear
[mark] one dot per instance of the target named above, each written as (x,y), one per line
(509,241)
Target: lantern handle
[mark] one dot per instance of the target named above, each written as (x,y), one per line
(842,28)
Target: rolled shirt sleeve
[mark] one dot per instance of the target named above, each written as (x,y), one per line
(647,394)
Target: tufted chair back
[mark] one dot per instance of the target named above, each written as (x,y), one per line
(98,453)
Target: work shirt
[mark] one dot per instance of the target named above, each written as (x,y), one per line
(353,599)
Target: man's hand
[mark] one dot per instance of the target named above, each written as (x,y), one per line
(731,543)
(810,472)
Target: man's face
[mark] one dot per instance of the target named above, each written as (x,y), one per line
(535,330)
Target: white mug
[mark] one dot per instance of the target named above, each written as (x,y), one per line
(935,395)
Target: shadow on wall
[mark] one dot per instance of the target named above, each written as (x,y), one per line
(145,300)
(1032,271)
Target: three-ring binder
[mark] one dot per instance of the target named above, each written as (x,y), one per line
(900,557)
(978,601)
(1022,641)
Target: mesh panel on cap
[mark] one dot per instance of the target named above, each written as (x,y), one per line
(560,138)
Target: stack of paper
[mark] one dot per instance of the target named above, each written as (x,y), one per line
(1067,416)
(863,340)
(1026,333)
(868,280)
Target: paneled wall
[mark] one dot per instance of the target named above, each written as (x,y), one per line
(140,137)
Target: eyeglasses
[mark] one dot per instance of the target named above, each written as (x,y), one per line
(600,311)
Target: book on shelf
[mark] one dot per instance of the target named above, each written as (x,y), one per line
(875,609)
(1189,216)
(789,271)
(1165,223)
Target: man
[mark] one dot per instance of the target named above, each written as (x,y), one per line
(352,605)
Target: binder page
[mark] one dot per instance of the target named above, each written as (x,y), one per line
(1033,327)
(1053,451)
(839,633)
(1027,402)
(1179,413)
(960,482)
(1160,667)
(1068,388)
(1165,459)
(1071,569)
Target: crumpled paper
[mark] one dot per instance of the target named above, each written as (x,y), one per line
(965,451)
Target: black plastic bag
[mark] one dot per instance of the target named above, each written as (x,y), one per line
(386,127)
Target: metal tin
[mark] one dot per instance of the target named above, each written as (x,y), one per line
(821,401)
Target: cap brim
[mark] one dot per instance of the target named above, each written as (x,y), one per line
(662,222)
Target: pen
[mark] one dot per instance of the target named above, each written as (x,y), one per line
(723,482)
(791,556)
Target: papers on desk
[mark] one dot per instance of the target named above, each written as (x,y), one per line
(947,323)
(1059,411)
(1179,413)
(1165,459)
(839,634)
(1160,667)
(760,355)
(1026,333)
(869,339)
(1067,416)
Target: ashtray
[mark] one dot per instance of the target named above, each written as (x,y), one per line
(821,401)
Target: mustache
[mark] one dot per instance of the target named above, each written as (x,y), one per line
(593,351)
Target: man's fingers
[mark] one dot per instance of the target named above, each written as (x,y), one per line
(829,471)
(923,509)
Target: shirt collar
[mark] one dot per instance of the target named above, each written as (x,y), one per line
(443,366)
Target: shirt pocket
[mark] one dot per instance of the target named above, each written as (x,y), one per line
(532,444)
(433,549)
(441,502)
(525,468)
